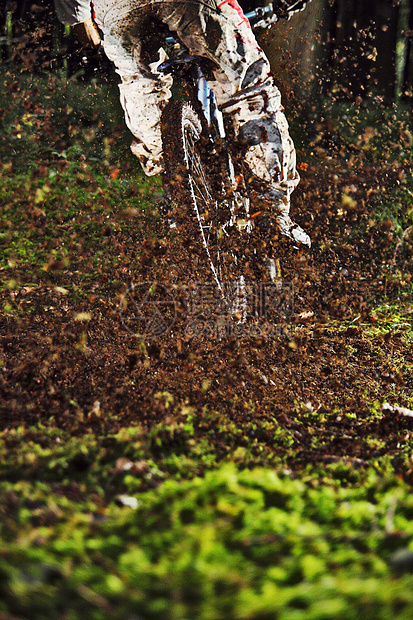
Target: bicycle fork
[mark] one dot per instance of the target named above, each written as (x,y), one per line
(215,119)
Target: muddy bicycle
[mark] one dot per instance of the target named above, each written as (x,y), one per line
(205,177)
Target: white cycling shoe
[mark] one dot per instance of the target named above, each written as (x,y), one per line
(292,230)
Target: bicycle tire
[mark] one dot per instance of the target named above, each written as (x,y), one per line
(206,205)
(191,182)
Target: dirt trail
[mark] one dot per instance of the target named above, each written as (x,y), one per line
(323,380)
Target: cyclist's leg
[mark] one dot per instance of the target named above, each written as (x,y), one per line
(244,86)
(143,90)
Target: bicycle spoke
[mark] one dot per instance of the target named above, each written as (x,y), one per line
(198,177)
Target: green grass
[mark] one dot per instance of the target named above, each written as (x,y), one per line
(234,543)
(68,183)
(378,136)
(48,119)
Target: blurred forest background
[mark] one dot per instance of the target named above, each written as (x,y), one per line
(348,49)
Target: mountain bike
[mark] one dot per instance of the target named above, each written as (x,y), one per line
(206,181)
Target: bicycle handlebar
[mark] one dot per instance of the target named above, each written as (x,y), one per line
(264,14)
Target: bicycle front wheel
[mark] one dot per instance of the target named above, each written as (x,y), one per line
(192,184)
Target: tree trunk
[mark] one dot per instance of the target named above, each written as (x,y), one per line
(293,48)
(407,78)
(387,14)
(359,48)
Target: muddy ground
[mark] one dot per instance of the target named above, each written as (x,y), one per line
(69,359)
